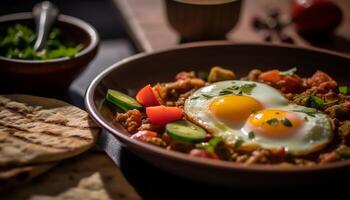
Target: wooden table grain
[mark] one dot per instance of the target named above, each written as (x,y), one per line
(147,24)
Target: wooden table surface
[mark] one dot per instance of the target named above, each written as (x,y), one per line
(148,26)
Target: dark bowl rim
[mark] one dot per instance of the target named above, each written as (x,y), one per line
(82,25)
(218,164)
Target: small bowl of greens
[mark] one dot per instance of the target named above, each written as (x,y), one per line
(71,45)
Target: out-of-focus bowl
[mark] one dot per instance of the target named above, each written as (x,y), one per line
(198,20)
(48,75)
(135,72)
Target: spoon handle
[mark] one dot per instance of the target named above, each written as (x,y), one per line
(45,14)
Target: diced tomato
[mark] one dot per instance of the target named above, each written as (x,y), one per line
(161,115)
(203,154)
(147,97)
(144,136)
(271,76)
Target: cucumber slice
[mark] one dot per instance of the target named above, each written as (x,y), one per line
(121,100)
(185,131)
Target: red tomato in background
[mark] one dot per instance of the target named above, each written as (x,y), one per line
(316,17)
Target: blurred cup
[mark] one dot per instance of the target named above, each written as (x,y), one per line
(197,20)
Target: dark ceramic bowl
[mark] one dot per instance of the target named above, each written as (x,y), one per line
(133,73)
(197,20)
(48,75)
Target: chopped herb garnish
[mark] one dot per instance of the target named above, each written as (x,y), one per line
(211,145)
(289,72)
(207,96)
(330,102)
(225,92)
(247,88)
(196,97)
(238,143)
(312,100)
(251,135)
(272,122)
(286,122)
(343,89)
(310,111)
(316,102)
(306,119)
(238,90)
(215,140)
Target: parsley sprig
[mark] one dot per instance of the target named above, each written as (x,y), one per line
(238,90)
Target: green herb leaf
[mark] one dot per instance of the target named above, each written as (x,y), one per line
(207,96)
(343,89)
(247,88)
(272,122)
(286,122)
(195,97)
(225,92)
(251,135)
(330,102)
(316,102)
(238,143)
(215,141)
(309,111)
(289,72)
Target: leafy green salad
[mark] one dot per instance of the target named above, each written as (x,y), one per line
(17,42)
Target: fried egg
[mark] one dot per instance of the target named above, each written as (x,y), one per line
(260,116)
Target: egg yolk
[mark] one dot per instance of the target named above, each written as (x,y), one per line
(234,108)
(274,123)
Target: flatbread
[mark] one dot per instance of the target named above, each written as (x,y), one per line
(90,188)
(74,175)
(36,130)
(19,175)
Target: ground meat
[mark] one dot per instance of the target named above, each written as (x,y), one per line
(322,81)
(174,89)
(258,156)
(328,157)
(338,112)
(185,75)
(304,162)
(182,98)
(150,127)
(344,132)
(131,120)
(253,75)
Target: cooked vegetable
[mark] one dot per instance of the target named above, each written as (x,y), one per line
(202,154)
(161,115)
(147,97)
(343,151)
(185,131)
(17,42)
(271,76)
(343,89)
(220,74)
(144,136)
(121,100)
